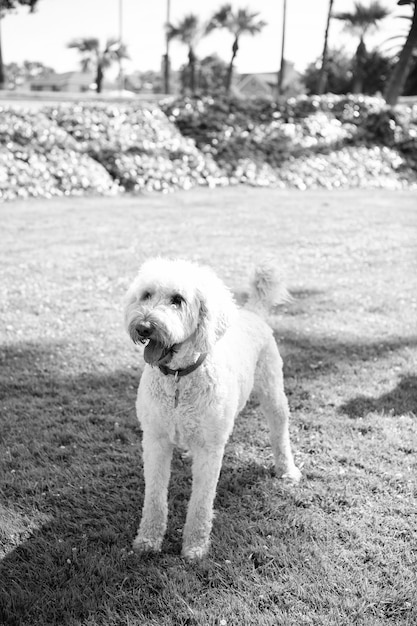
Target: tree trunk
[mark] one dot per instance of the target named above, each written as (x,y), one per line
(191,64)
(401,70)
(229,74)
(281,73)
(322,82)
(360,59)
(167,65)
(99,78)
(2,77)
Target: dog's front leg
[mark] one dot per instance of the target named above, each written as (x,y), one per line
(206,469)
(157,455)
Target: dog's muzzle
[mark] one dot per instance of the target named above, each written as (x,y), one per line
(144,330)
(155,353)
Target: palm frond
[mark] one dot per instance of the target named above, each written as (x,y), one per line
(115,49)
(247,23)
(238,23)
(220,18)
(87,44)
(363,17)
(188,31)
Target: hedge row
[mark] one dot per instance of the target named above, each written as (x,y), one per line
(266,131)
(306,142)
(96,148)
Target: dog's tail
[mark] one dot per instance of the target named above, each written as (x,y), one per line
(267,289)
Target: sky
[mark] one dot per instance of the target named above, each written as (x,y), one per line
(44,35)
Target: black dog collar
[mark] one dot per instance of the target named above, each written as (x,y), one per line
(184,371)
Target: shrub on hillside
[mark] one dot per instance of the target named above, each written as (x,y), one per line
(39,159)
(100,148)
(271,134)
(348,167)
(138,146)
(257,129)
(25,128)
(305,142)
(153,172)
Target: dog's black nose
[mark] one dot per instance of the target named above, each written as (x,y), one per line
(144,329)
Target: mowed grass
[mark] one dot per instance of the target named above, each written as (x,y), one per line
(340,548)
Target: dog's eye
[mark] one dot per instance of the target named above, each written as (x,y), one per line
(177,300)
(146,295)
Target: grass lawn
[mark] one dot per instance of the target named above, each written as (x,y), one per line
(340,548)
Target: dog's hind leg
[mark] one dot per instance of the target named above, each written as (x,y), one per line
(269,386)
(157,455)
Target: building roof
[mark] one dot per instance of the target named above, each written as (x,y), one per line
(79,78)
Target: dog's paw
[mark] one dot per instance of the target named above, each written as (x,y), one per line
(292,475)
(143,544)
(195,553)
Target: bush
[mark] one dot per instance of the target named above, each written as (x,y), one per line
(354,166)
(39,159)
(264,133)
(328,141)
(139,147)
(99,148)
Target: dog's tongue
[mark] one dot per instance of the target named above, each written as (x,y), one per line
(155,352)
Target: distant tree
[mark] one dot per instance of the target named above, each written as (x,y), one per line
(189,78)
(92,56)
(11,5)
(18,74)
(410,87)
(360,21)
(339,75)
(5,7)
(238,23)
(377,70)
(323,68)
(189,32)
(404,64)
(212,73)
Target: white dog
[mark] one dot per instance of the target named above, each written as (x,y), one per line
(203,358)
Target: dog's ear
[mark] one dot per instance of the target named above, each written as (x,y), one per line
(216,310)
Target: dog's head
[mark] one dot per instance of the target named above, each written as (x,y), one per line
(172,301)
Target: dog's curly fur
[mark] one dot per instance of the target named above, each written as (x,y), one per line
(183,311)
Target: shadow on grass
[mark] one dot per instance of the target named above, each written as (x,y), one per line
(399,401)
(72,488)
(310,357)
(71,497)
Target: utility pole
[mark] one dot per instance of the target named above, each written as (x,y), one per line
(2,77)
(323,70)
(166,55)
(121,77)
(282,68)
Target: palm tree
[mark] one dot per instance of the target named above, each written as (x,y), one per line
(281,73)
(166,65)
(188,31)
(323,69)
(362,20)
(93,56)
(402,69)
(241,22)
